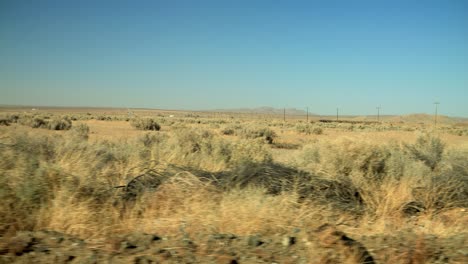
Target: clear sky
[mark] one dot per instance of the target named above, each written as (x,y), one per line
(195,54)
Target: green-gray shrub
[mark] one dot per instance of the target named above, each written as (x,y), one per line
(145,124)
(37,122)
(228,131)
(201,149)
(59,124)
(301,128)
(4,121)
(267,134)
(308,129)
(428,149)
(80,131)
(317,131)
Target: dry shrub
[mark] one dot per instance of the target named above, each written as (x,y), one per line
(253,132)
(59,124)
(200,208)
(229,131)
(349,157)
(43,121)
(276,179)
(70,215)
(36,122)
(187,207)
(80,131)
(4,121)
(36,168)
(13,118)
(262,214)
(391,179)
(145,124)
(200,149)
(442,192)
(104,118)
(308,129)
(273,177)
(27,183)
(428,149)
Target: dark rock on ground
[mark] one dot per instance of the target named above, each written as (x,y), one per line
(328,245)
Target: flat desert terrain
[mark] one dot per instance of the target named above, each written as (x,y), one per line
(95,185)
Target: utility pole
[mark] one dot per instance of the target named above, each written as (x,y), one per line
(378,113)
(307,111)
(435,116)
(284,114)
(337,114)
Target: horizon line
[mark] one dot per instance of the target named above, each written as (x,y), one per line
(226,110)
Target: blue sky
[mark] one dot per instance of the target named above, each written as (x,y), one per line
(355,55)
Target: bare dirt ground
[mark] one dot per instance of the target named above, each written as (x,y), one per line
(296,247)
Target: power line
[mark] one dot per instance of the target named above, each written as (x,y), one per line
(378,113)
(435,116)
(284,114)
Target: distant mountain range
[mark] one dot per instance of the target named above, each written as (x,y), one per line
(265,110)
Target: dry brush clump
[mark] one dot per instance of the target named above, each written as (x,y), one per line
(392,179)
(231,130)
(203,150)
(80,131)
(38,170)
(51,122)
(428,149)
(59,124)
(309,129)
(145,124)
(8,119)
(264,133)
(33,121)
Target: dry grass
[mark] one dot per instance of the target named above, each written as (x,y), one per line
(196,180)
